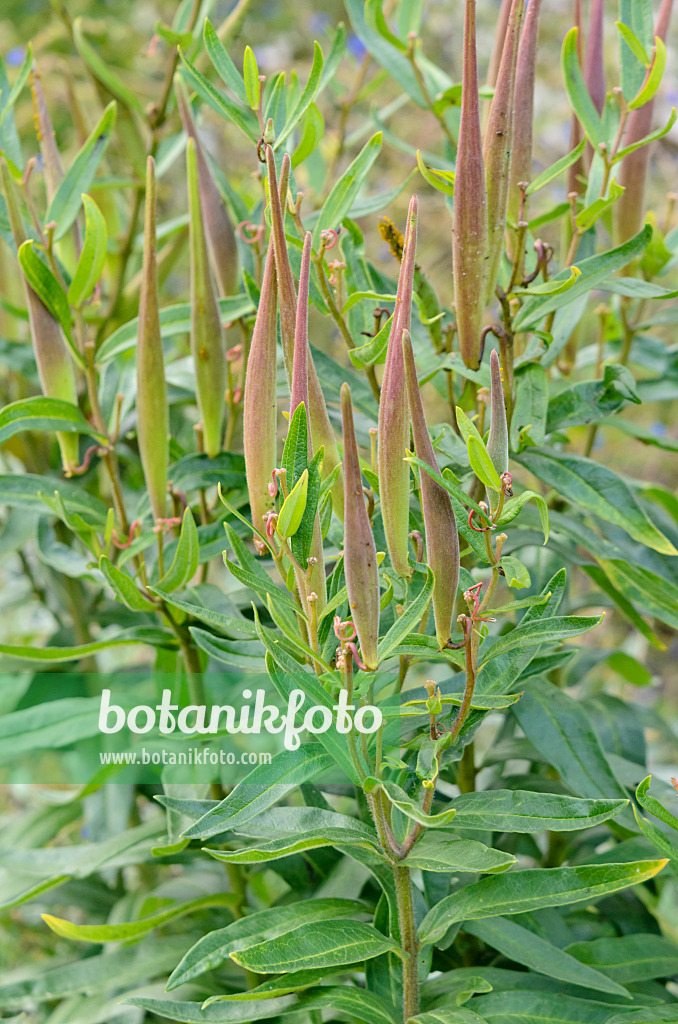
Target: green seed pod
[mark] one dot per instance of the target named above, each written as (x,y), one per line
(360,555)
(440,526)
(152,410)
(498,146)
(321,429)
(218,227)
(52,359)
(497,442)
(469,224)
(629,208)
(394,419)
(207,336)
(259,403)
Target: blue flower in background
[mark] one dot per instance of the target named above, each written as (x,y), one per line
(356,47)
(318,23)
(658,429)
(16,56)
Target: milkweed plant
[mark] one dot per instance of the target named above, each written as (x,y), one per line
(253,431)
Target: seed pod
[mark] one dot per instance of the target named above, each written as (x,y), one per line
(319,422)
(51,161)
(207,336)
(152,410)
(499,40)
(317,583)
(360,555)
(394,420)
(575,174)
(497,442)
(259,408)
(55,369)
(469,226)
(594,62)
(498,147)
(521,161)
(440,526)
(218,227)
(630,206)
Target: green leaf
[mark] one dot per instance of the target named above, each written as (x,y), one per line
(274,849)
(400,799)
(517,892)
(295,452)
(45,285)
(436,851)
(306,99)
(374,350)
(38,413)
(19,83)
(634,44)
(92,255)
(442,181)
(136,635)
(125,588)
(133,929)
(67,200)
(598,490)
(409,620)
(558,727)
(341,198)
(25,490)
(218,1013)
(508,810)
(556,169)
(594,271)
(651,804)
(581,102)
(215,947)
(319,944)
(649,88)
(222,62)
(241,117)
(628,958)
(659,133)
(515,572)
(263,587)
(514,507)
(528,422)
(482,465)
(450,1014)
(186,557)
(294,505)
(587,217)
(262,788)
(280,985)
(527,948)
(554,286)
(103,72)
(540,631)
(589,401)
(251,78)
(649,593)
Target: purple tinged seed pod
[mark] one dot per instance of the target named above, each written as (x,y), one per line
(260,407)
(52,359)
(594,63)
(469,226)
(152,410)
(521,160)
(440,525)
(319,422)
(207,336)
(317,582)
(498,441)
(394,420)
(218,227)
(630,206)
(499,40)
(51,161)
(498,147)
(360,555)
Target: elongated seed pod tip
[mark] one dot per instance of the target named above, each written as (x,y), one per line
(440,525)
(498,441)
(152,410)
(394,422)
(360,555)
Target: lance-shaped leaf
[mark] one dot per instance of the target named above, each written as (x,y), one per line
(498,439)
(322,433)
(630,208)
(207,339)
(498,146)
(152,411)
(521,160)
(360,555)
(51,160)
(594,63)
(217,223)
(394,420)
(92,257)
(259,404)
(469,230)
(55,368)
(440,525)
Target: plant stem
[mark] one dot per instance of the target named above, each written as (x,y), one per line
(408,940)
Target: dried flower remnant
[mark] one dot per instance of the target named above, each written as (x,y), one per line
(440,526)
(394,421)
(360,555)
(470,242)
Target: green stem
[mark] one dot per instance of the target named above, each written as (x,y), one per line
(408,940)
